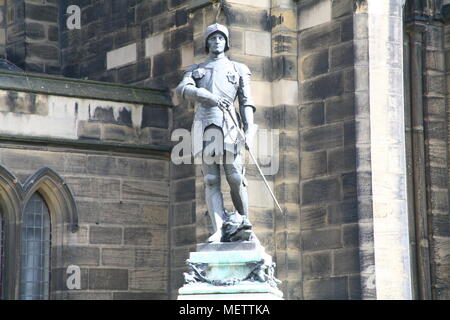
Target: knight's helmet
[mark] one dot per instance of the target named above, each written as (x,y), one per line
(216,27)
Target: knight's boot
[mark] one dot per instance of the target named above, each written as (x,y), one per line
(218,222)
(246,222)
(240,201)
(216,237)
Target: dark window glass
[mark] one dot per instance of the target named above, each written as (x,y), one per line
(35,254)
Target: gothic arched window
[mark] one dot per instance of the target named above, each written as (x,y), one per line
(35,251)
(36,217)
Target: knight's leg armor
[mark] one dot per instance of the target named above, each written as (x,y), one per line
(214,198)
(236,180)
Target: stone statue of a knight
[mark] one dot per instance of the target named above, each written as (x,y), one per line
(213,86)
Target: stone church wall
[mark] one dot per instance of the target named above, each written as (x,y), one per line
(310,77)
(328,195)
(426,58)
(29,35)
(106,152)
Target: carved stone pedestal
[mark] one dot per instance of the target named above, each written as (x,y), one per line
(230,271)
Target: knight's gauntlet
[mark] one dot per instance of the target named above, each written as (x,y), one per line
(250,135)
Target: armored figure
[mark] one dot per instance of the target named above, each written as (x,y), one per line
(212,87)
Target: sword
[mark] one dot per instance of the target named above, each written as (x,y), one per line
(253,157)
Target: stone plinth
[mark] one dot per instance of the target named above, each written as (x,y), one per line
(230,271)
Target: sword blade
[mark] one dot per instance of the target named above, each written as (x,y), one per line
(255,161)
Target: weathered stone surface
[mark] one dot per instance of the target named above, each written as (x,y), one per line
(183,213)
(349,186)
(254,19)
(324,137)
(43,51)
(321,190)
(17,159)
(94,188)
(35,31)
(155,214)
(341,108)
(341,8)
(288,192)
(261,199)
(314,14)
(260,4)
(119,133)
(107,114)
(286,93)
(41,12)
(145,191)
(439,201)
(258,43)
(105,235)
(84,295)
(23,103)
(317,265)
(152,257)
(129,213)
(335,175)
(148,279)
(313,218)
(183,236)
(157,117)
(108,279)
(320,37)
(314,64)
(83,256)
(350,235)
(342,56)
(346,261)
(321,239)
(263,219)
(164,62)
(345,212)
(119,257)
(354,285)
(341,159)
(329,85)
(139,296)
(312,115)
(145,169)
(145,237)
(184,190)
(350,134)
(89,130)
(326,289)
(154,45)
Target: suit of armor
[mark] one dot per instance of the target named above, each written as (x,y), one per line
(203,85)
(224,78)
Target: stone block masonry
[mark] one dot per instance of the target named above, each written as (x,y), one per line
(393,266)
(328,216)
(121,56)
(32,35)
(428,136)
(3,28)
(325,73)
(167,39)
(148,38)
(119,177)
